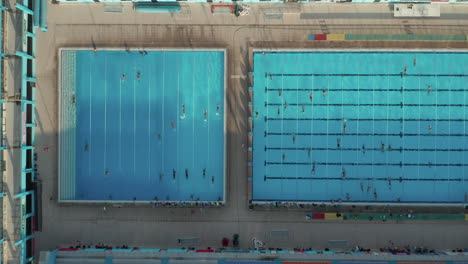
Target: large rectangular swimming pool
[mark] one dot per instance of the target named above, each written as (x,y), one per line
(353,126)
(142,125)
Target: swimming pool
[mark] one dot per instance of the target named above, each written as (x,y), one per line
(142,125)
(354,126)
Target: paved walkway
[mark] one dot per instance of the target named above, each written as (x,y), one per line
(80,25)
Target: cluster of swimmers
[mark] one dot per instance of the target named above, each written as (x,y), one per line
(186,173)
(186,204)
(205,113)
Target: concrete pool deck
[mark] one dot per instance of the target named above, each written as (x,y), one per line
(80,25)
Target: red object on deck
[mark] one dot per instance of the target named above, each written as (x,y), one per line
(205,250)
(318,216)
(233,8)
(320,37)
(67,249)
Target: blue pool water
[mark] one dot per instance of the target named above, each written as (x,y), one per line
(360,126)
(148,125)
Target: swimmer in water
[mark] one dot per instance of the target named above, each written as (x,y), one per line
(279,111)
(159,136)
(429,87)
(313,168)
(344,126)
(172,124)
(348,197)
(414,61)
(123,77)
(204,172)
(205,115)
(256,114)
(217,109)
(284,156)
(404,70)
(86,148)
(375,194)
(106,173)
(303,108)
(311,97)
(280,92)
(309,151)
(161,175)
(383,147)
(183,112)
(138,75)
(363,148)
(390,148)
(186,173)
(285,104)
(368,188)
(294,139)
(338,143)
(430,128)
(324,92)
(343,173)
(362,187)
(173,173)
(212,179)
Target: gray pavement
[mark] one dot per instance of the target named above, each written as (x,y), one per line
(77,25)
